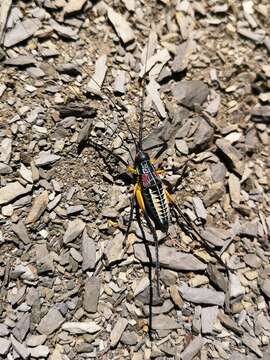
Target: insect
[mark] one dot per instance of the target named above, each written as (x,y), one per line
(151,198)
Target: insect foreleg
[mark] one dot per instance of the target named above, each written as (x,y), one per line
(102,147)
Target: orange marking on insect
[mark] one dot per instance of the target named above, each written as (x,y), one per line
(138,195)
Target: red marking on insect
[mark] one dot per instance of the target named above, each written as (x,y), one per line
(145,180)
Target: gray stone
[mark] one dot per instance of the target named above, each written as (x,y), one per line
(114,251)
(22,31)
(88,252)
(190,93)
(91,294)
(4,346)
(193,348)
(50,322)
(4,331)
(21,349)
(170,258)
(21,231)
(232,156)
(11,191)
(229,323)
(117,331)
(5,169)
(38,207)
(208,316)
(20,60)
(46,158)
(22,327)
(74,229)
(202,295)
(121,26)
(89,327)
(36,340)
(41,351)
(235,287)
(165,322)
(5,150)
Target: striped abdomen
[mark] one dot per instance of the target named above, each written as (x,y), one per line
(156,204)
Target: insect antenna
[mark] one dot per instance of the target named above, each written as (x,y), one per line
(139,146)
(108,97)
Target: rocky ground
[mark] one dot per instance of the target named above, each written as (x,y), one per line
(71,286)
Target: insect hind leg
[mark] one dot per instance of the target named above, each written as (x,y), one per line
(149,255)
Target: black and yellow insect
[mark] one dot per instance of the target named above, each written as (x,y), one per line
(150,197)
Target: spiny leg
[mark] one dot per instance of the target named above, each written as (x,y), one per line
(148,253)
(154,233)
(102,147)
(132,205)
(199,238)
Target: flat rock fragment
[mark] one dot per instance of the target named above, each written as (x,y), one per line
(4,13)
(74,229)
(50,322)
(64,31)
(95,83)
(157,60)
(256,36)
(261,113)
(265,287)
(73,6)
(89,327)
(252,260)
(20,348)
(253,344)
(193,348)
(234,189)
(121,26)
(235,287)
(119,85)
(5,150)
(202,137)
(88,252)
(182,57)
(232,155)
(91,294)
(41,351)
(39,206)
(4,346)
(229,323)
(36,340)
(199,208)
(214,193)
(20,230)
(26,174)
(11,191)
(21,31)
(165,322)
(22,327)
(46,158)
(190,93)
(170,258)
(117,331)
(208,317)
(114,251)
(202,295)
(152,91)
(21,60)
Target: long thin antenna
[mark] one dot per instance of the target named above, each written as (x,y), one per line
(142,96)
(116,106)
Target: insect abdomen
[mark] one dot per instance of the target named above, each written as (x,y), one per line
(157,206)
